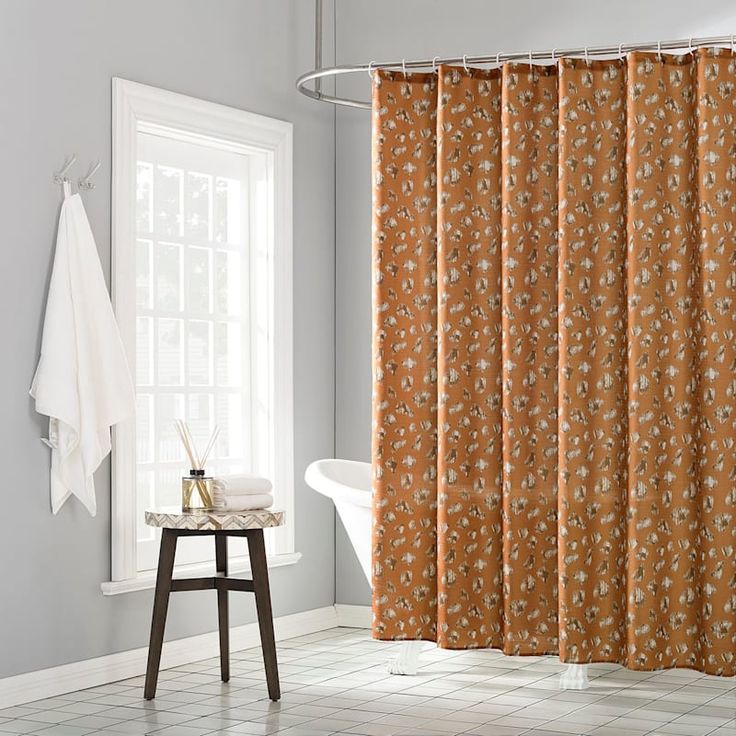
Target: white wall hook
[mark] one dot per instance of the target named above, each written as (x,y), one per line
(84,182)
(60,177)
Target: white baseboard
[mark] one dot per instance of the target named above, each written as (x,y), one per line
(356,617)
(102,670)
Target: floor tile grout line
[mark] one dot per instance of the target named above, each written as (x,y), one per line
(530,680)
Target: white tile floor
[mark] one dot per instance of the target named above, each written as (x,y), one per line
(335,682)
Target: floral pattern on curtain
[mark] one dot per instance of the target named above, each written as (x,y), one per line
(554,394)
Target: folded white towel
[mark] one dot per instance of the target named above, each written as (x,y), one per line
(240,485)
(249,502)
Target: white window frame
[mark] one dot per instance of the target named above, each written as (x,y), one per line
(141,107)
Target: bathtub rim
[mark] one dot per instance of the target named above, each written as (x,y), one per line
(318,479)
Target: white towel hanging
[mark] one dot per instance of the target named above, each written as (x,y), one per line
(82,381)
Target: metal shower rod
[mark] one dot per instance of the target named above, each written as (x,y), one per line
(318,74)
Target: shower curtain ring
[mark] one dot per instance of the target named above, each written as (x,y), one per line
(498,58)
(733,50)
(554,55)
(403,67)
(587,58)
(434,63)
(620,51)
(531,68)
(465,64)
(659,50)
(690,48)
(370,69)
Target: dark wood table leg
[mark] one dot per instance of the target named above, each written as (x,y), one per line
(222,606)
(160,607)
(257,552)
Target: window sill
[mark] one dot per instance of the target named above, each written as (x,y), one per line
(147,580)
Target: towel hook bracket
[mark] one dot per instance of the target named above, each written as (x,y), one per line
(60,177)
(84,182)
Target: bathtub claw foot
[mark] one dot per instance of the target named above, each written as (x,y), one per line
(575,677)
(408,660)
(396,667)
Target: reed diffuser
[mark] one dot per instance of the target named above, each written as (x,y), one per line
(196,488)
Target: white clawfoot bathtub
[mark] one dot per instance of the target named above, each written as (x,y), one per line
(348,484)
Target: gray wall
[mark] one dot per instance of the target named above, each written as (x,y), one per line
(386,29)
(56,61)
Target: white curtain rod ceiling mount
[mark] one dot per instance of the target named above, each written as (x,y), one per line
(320,73)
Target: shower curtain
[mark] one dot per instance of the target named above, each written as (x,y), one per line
(554,341)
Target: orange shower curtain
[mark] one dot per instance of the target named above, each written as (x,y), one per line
(554,416)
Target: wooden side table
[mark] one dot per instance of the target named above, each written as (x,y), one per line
(249,524)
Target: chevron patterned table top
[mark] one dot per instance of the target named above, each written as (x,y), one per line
(174,518)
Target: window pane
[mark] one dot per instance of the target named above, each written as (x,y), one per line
(200,357)
(227,282)
(194,303)
(228,364)
(144,431)
(170,352)
(167,200)
(168,276)
(143,274)
(198,292)
(230,441)
(228,206)
(169,407)
(228,467)
(144,351)
(199,418)
(144,196)
(197,205)
(168,486)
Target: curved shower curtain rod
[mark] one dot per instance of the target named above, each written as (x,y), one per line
(318,74)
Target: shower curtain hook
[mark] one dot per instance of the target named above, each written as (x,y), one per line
(659,50)
(498,58)
(465,64)
(370,69)
(620,51)
(434,63)
(587,58)
(403,67)
(733,50)
(690,48)
(531,68)
(554,55)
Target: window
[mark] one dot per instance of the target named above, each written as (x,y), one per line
(202,293)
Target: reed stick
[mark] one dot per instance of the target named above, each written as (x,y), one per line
(211,443)
(187,448)
(191,450)
(195,457)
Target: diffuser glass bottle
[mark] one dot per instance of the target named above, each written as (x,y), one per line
(196,491)
(196,488)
